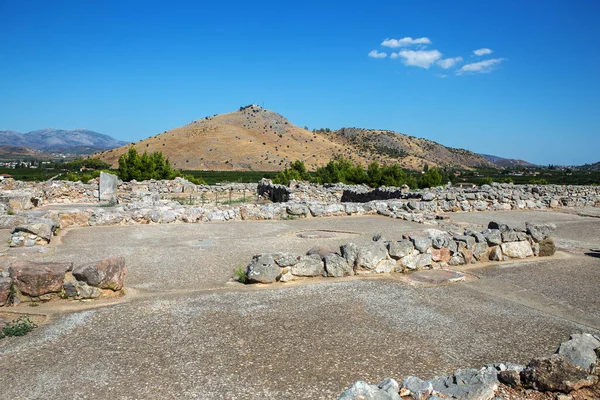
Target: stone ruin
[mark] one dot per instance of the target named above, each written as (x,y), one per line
(27,281)
(572,372)
(429,249)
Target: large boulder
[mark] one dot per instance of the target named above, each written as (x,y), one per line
(400,249)
(5,284)
(350,253)
(361,390)
(311,265)
(39,278)
(580,350)
(336,265)
(42,227)
(104,274)
(539,232)
(416,261)
(262,269)
(555,374)
(370,255)
(468,384)
(517,249)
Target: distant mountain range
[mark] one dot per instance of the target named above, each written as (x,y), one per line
(77,141)
(507,162)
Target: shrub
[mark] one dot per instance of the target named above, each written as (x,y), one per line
(431,178)
(541,181)
(19,327)
(144,167)
(240,274)
(296,171)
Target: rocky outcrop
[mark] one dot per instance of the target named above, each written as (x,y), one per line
(429,249)
(555,375)
(38,279)
(104,274)
(43,281)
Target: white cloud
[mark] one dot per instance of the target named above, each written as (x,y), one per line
(404,42)
(376,54)
(448,62)
(482,52)
(480,67)
(420,58)
(394,55)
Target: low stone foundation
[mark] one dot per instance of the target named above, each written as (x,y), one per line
(43,281)
(571,373)
(428,249)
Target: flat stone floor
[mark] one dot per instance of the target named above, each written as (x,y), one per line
(186,331)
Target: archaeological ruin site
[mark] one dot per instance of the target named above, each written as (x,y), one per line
(168,289)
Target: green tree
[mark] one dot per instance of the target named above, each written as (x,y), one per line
(144,167)
(296,171)
(431,178)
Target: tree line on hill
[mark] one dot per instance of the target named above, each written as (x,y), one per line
(345,171)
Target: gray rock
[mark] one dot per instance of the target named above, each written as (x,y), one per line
(297,209)
(510,236)
(400,249)
(416,388)
(428,196)
(350,253)
(468,240)
(496,254)
(517,249)
(492,236)
(108,187)
(308,266)
(385,266)
(285,259)
(421,243)
(363,391)
(370,255)
(416,261)
(379,237)
(42,227)
(457,259)
(509,377)
(468,384)
(336,265)
(539,232)
(391,387)
(580,350)
(81,290)
(262,269)
(480,250)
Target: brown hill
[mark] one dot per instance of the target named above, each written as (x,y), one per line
(21,153)
(257,139)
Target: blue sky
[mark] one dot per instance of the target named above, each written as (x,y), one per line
(132,69)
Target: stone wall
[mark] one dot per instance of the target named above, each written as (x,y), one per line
(571,373)
(27,281)
(429,249)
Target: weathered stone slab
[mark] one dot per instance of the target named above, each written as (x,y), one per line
(262,269)
(36,279)
(517,249)
(580,349)
(108,187)
(336,265)
(308,266)
(555,374)
(370,255)
(104,274)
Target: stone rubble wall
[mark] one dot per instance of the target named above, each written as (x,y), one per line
(27,281)
(429,249)
(571,373)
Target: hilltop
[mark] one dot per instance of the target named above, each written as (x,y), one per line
(77,141)
(254,138)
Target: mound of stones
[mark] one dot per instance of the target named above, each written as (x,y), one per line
(27,281)
(428,249)
(571,372)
